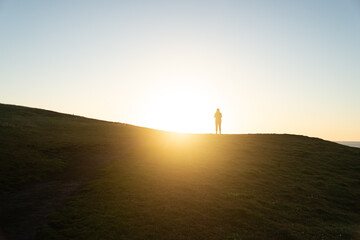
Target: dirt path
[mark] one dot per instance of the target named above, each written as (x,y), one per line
(24,211)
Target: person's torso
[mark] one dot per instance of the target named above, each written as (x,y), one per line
(218,115)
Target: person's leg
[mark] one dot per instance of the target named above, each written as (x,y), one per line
(216,127)
(220,127)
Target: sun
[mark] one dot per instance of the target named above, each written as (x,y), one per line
(181,108)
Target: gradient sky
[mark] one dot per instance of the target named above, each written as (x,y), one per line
(270,66)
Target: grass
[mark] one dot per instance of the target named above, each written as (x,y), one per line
(139,183)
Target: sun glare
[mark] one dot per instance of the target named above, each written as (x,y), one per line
(181,109)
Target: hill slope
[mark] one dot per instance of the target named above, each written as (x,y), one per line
(77,178)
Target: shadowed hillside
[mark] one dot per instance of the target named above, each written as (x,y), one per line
(68,177)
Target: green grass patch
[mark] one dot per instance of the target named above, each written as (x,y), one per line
(157,185)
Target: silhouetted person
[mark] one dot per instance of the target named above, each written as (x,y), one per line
(218,117)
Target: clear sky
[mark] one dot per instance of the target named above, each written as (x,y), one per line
(270,66)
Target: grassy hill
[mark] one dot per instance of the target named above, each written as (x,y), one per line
(68,177)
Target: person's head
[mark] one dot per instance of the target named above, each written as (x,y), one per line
(218,110)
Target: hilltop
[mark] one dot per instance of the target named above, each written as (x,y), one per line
(70,177)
